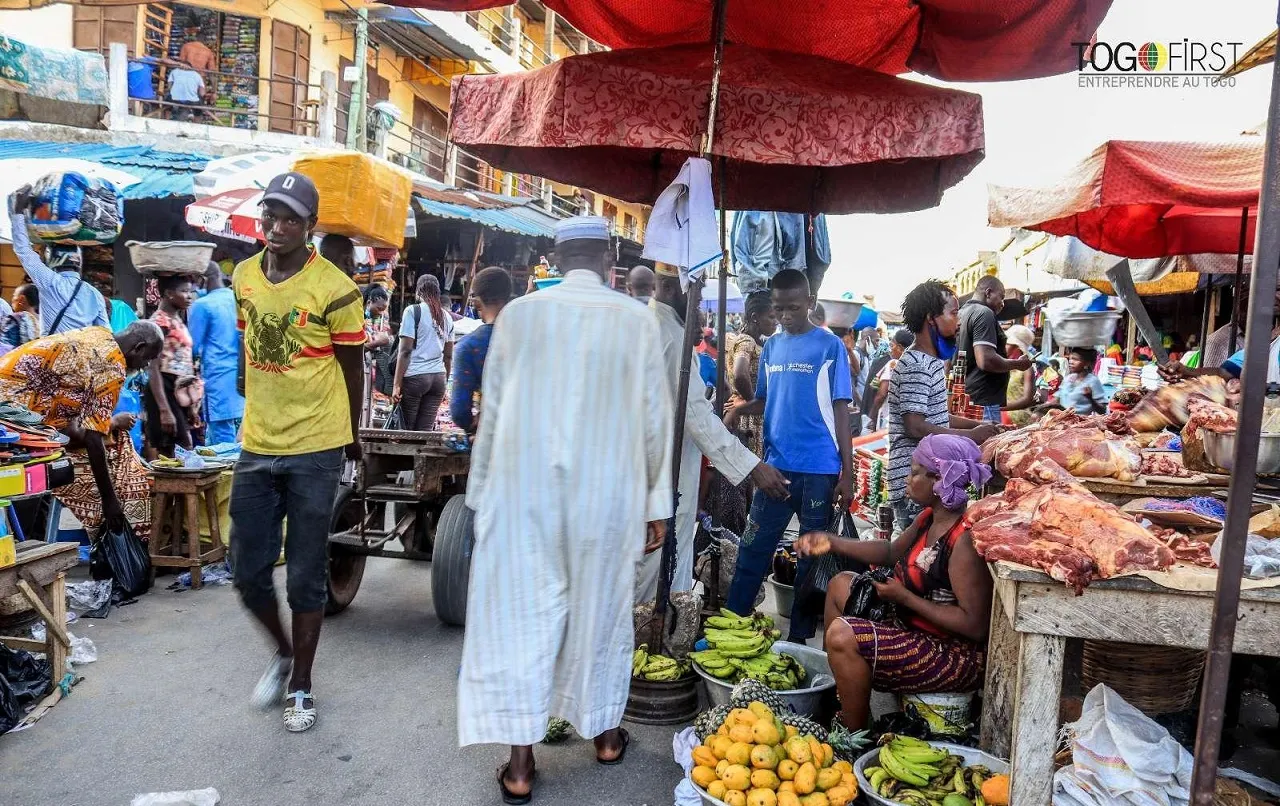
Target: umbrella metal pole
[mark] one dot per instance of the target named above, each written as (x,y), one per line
(686,358)
(1207,314)
(722,389)
(1235,295)
(1226,605)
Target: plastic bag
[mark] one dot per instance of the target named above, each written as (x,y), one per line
(120,555)
(1261,555)
(82,650)
(864,602)
(24,679)
(1121,756)
(71,208)
(88,595)
(191,797)
(824,568)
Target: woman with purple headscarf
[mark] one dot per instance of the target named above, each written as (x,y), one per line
(939,587)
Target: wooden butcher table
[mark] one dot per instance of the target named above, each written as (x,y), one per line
(1032,615)
(40,576)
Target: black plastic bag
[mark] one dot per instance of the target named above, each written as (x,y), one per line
(121,556)
(811,590)
(24,679)
(864,602)
(395,419)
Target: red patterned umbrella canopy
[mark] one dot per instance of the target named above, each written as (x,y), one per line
(1146,199)
(955,40)
(797,133)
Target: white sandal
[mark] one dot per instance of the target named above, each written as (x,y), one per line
(298,717)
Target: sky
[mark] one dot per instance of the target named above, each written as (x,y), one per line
(1037,130)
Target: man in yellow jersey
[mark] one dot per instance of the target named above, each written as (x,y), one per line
(303,323)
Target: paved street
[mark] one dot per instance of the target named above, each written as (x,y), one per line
(165,708)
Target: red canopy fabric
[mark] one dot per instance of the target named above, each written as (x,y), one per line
(955,40)
(799,134)
(1146,199)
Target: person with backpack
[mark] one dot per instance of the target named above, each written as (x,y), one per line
(425,359)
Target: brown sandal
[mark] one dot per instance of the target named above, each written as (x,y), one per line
(511,797)
(622,751)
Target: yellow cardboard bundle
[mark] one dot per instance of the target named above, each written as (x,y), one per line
(361,197)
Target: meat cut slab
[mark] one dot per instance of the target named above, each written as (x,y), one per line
(1065,531)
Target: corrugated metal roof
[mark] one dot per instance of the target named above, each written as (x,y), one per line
(506,220)
(163,173)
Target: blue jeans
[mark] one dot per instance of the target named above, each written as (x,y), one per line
(265,490)
(992,414)
(812,499)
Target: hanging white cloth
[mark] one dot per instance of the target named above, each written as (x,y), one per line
(573,457)
(683,230)
(704,435)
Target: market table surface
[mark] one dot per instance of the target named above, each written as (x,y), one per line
(39,574)
(1121,493)
(1032,615)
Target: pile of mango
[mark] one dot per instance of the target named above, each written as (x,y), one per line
(753,759)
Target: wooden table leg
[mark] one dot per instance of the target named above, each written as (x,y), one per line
(999,696)
(191,503)
(159,540)
(1035,718)
(215,528)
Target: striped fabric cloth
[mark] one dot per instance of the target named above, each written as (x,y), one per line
(907,661)
(573,456)
(919,385)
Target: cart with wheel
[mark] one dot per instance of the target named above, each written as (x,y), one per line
(410,490)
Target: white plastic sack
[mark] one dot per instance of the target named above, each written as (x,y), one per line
(682,745)
(192,797)
(1121,756)
(1261,555)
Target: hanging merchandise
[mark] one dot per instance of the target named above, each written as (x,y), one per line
(765,243)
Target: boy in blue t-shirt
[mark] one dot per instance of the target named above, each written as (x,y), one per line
(803,391)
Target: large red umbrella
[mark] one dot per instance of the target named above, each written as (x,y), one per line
(955,40)
(1146,199)
(796,133)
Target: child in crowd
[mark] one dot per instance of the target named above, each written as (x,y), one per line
(1081,391)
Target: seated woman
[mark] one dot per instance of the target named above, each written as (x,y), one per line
(940,587)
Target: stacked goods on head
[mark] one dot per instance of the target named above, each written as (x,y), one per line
(753,758)
(915,773)
(73,209)
(739,649)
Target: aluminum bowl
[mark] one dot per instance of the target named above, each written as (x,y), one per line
(971,756)
(1221,448)
(841,312)
(804,701)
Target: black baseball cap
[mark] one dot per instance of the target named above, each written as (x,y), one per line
(296,191)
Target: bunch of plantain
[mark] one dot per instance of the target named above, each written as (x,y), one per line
(656,667)
(166,461)
(739,650)
(916,773)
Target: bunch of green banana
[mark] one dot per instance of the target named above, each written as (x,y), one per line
(729,620)
(916,773)
(655,667)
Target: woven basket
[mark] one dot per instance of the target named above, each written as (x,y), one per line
(1153,679)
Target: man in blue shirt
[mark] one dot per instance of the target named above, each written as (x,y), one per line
(803,390)
(216,342)
(67,302)
(490,292)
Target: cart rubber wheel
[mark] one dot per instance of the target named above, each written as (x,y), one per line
(451,561)
(346,569)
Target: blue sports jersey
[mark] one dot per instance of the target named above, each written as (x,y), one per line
(801,380)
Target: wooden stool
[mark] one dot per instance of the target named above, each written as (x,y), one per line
(175,504)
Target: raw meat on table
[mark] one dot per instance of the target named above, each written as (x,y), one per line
(1169,405)
(1084,447)
(1064,530)
(1163,463)
(1185,548)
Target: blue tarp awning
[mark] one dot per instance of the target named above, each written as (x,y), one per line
(506,220)
(162,173)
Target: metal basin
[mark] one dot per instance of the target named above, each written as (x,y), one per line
(841,312)
(804,701)
(1221,448)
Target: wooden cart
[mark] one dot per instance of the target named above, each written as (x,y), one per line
(409,489)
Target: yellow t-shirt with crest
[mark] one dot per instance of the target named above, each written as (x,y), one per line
(295,394)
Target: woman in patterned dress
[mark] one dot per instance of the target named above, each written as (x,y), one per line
(939,588)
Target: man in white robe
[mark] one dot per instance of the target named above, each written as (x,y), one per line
(704,435)
(572,460)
